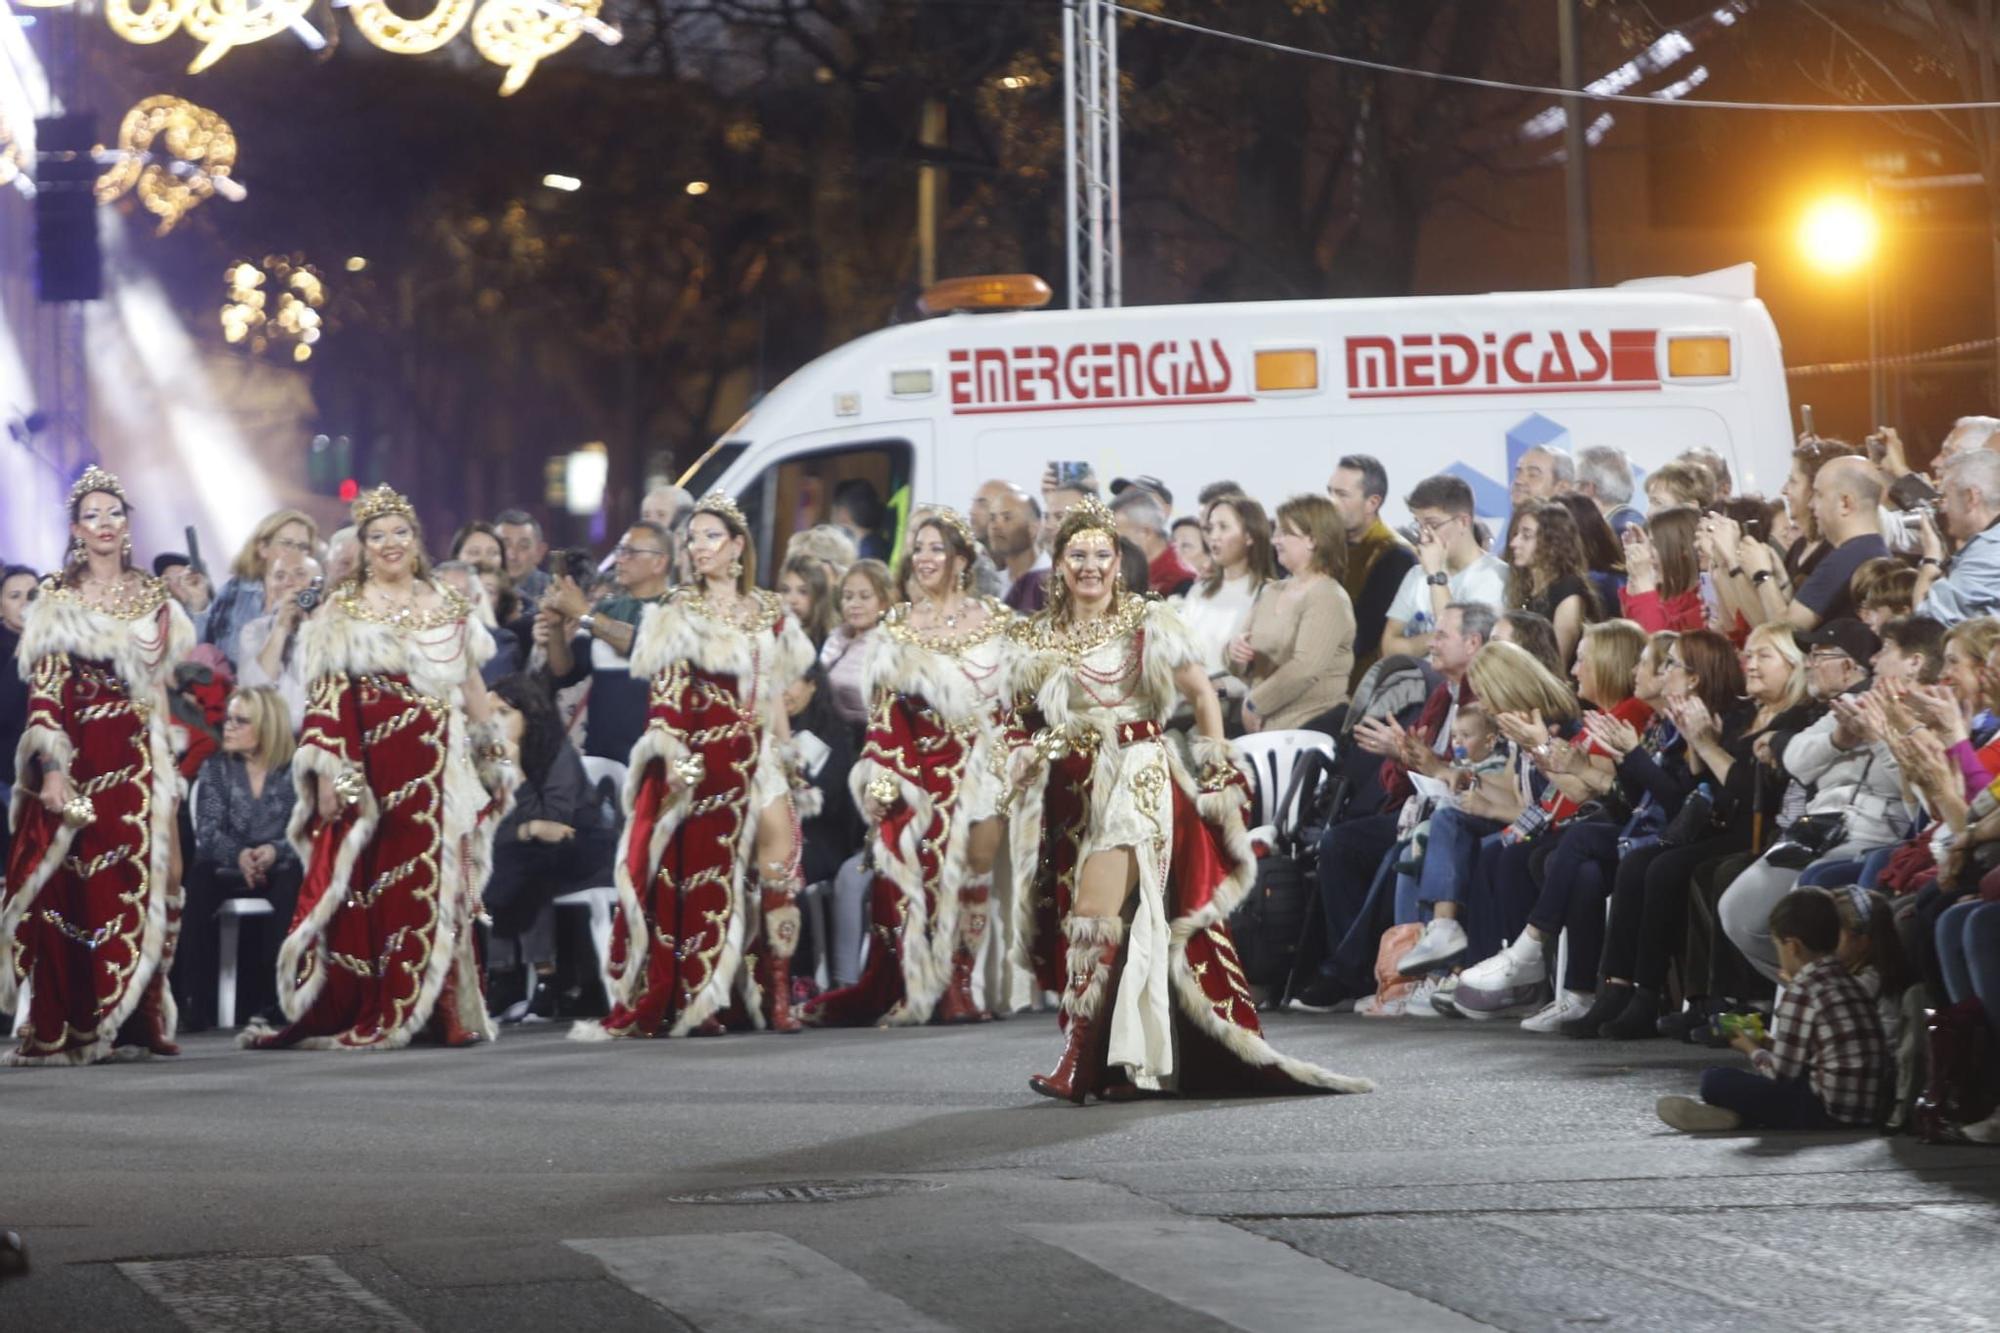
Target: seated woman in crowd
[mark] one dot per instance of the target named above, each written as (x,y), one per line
(866,595)
(243,806)
(556,840)
(1241,563)
(826,756)
(1603,553)
(807,590)
(241,600)
(1712,809)
(1854,791)
(1532,631)
(1296,650)
(1549,575)
(1663,572)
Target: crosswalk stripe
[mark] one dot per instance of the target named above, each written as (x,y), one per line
(249,1295)
(753,1282)
(1244,1280)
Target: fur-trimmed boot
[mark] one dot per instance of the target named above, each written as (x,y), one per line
(975,914)
(779,898)
(1094,944)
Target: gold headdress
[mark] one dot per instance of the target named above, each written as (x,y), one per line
(375,503)
(945,516)
(1086,515)
(95,478)
(715,502)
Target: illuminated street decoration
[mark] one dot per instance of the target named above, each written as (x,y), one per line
(172,154)
(274,306)
(514,34)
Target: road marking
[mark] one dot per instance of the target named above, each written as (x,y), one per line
(753,1282)
(246,1295)
(1245,1280)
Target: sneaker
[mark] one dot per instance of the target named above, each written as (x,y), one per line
(1518,965)
(1691,1115)
(1445,998)
(1419,1005)
(1323,995)
(1442,942)
(1567,1005)
(1372,1006)
(1511,1002)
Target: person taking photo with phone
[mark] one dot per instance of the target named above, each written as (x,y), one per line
(595,642)
(270,642)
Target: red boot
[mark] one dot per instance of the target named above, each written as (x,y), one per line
(957,1004)
(1094,943)
(781,941)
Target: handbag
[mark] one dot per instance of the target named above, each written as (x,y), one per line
(1812,836)
(1694,821)
(1807,840)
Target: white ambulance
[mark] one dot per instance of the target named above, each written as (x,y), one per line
(1266,394)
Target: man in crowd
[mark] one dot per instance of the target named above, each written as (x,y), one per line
(1540,475)
(602,647)
(1356,872)
(1451,567)
(1847,494)
(1718,470)
(186,585)
(269,643)
(1969,584)
(343,556)
(1604,476)
(670,507)
(1142,522)
(1377,559)
(524,549)
(858,512)
(1013,521)
(1150,484)
(980,516)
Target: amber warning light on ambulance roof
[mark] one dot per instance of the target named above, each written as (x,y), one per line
(1698,358)
(996,291)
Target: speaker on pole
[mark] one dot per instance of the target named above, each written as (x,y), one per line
(68,263)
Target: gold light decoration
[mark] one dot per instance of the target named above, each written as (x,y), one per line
(390,31)
(274,306)
(514,34)
(167,129)
(225,24)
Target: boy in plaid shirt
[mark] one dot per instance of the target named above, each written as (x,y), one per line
(1827,1065)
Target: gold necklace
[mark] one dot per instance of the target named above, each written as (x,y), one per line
(898,627)
(129,598)
(1075,640)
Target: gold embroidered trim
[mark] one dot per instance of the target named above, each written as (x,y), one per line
(999,620)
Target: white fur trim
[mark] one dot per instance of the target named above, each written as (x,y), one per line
(60,623)
(308,938)
(335,643)
(927,939)
(1095,934)
(673,631)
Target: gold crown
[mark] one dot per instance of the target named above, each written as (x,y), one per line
(1089,513)
(715,502)
(948,517)
(375,503)
(95,478)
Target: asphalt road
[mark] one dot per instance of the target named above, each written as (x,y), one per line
(909,1181)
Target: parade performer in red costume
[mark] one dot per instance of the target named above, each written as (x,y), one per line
(402,779)
(1136,844)
(927,782)
(92,902)
(703,939)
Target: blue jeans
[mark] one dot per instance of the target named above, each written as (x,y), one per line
(1968,946)
(1449,857)
(1766,1103)
(1356,866)
(1843,870)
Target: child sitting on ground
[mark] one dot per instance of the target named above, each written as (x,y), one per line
(1475,751)
(1827,1064)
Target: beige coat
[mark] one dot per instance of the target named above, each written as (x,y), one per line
(1304,641)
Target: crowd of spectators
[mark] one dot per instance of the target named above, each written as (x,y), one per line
(1608,770)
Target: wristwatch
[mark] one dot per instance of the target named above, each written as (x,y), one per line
(1761,577)
(1930,560)
(1439,580)
(588,624)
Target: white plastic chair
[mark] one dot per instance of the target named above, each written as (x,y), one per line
(1274,756)
(229,926)
(600,902)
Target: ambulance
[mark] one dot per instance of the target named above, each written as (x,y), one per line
(1267,394)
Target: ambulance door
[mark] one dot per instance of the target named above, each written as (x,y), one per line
(795,489)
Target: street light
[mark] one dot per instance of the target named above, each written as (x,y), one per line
(1837,234)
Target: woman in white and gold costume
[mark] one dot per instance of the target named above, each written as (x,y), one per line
(708,863)
(92,902)
(929,784)
(1135,843)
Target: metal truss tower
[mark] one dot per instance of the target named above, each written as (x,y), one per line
(1090,134)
